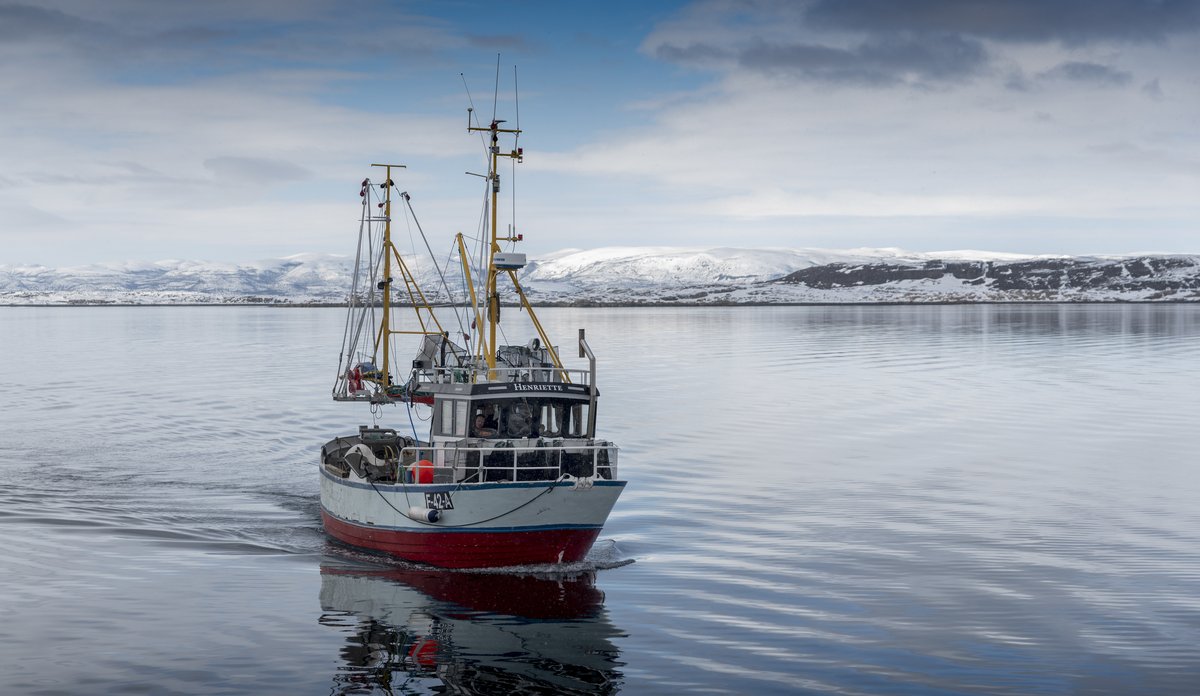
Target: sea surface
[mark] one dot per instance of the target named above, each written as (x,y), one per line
(826,500)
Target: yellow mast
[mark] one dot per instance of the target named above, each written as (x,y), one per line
(493,296)
(416,296)
(386,284)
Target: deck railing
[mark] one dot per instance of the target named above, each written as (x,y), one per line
(470,374)
(487,461)
(400,391)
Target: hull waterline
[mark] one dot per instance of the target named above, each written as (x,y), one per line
(467,549)
(489,525)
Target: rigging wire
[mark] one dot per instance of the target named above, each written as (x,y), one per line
(346,351)
(471,113)
(457,306)
(470,101)
(352,337)
(433,259)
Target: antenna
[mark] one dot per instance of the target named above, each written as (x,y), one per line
(517,104)
(513,162)
(496,93)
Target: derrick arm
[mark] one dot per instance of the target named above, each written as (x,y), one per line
(538,325)
(483,348)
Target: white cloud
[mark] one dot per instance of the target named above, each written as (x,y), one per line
(1082,142)
(123,167)
(216,130)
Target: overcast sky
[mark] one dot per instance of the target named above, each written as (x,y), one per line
(232,130)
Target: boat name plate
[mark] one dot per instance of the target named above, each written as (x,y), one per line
(538,387)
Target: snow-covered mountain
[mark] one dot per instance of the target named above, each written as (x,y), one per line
(293,279)
(636,275)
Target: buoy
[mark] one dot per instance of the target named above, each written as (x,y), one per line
(424,514)
(424,471)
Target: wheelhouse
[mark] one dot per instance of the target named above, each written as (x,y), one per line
(512,412)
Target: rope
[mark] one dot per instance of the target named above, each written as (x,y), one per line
(349,345)
(408,407)
(404,486)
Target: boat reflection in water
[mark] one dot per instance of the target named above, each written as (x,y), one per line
(469,633)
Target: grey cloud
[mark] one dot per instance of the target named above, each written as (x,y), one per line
(1069,21)
(255,169)
(102,44)
(27,23)
(1152,89)
(694,53)
(1018,82)
(922,42)
(506,42)
(214,38)
(194,35)
(887,61)
(1092,73)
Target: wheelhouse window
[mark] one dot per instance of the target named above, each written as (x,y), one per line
(529,417)
(453,417)
(576,420)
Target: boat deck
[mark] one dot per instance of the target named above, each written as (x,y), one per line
(397,459)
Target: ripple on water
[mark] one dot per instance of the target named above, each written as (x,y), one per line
(856,500)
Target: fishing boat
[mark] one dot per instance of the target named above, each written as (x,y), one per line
(511,471)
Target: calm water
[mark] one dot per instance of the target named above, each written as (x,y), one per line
(890,500)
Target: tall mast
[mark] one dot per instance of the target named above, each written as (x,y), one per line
(493,296)
(385,331)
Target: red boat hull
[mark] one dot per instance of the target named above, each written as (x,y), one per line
(467,549)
